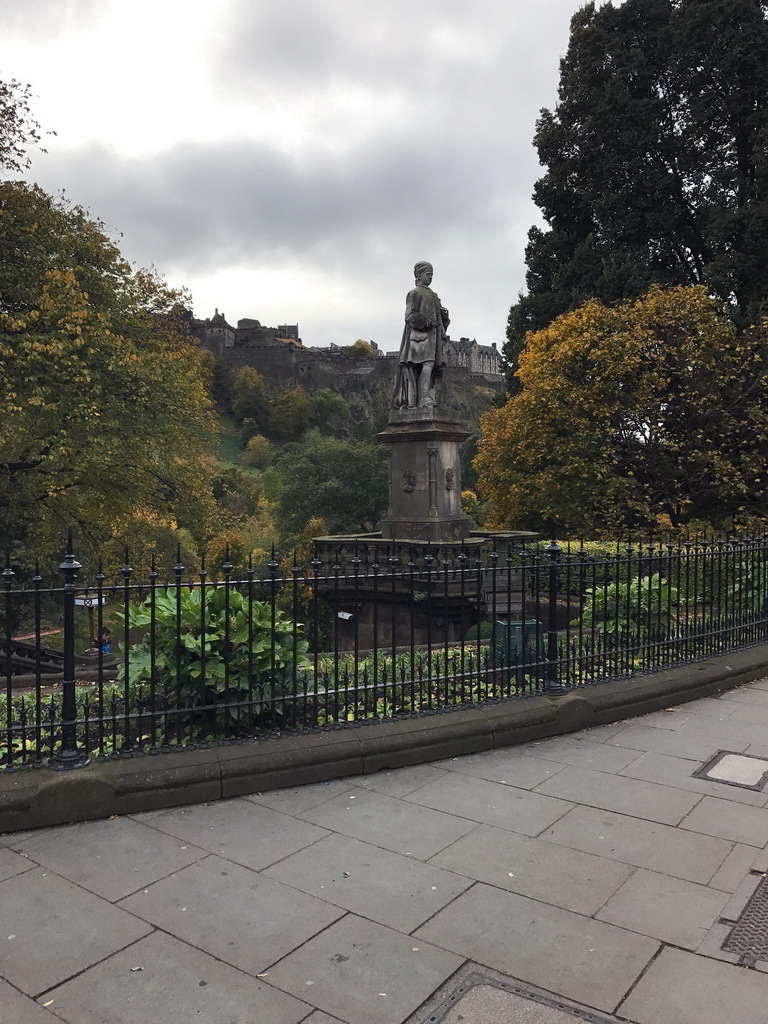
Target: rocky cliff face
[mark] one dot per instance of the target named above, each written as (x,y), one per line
(462,400)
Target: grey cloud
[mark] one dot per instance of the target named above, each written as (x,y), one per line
(455,62)
(40,19)
(314,40)
(411,147)
(199,208)
(216,203)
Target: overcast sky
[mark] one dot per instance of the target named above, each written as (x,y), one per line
(290,160)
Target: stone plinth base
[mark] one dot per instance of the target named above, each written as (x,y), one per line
(424,478)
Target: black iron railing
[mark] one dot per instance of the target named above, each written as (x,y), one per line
(367,632)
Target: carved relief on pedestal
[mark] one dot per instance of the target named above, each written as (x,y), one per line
(389,482)
(432,453)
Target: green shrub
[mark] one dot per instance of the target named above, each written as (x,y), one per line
(632,608)
(215,668)
(480,630)
(258,452)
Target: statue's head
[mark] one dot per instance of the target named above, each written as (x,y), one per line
(423,273)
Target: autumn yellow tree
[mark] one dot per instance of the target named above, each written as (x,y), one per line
(289,413)
(249,397)
(652,413)
(360,350)
(106,421)
(99,418)
(258,453)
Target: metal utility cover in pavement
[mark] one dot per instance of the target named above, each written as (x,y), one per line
(732,769)
(479,996)
(750,936)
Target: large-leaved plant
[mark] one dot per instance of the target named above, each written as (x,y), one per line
(235,653)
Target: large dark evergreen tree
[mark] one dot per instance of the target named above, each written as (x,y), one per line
(657,161)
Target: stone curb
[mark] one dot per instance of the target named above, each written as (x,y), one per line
(41,797)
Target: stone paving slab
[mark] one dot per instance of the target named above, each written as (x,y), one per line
(734,868)
(739,769)
(598,733)
(525,938)
(713,817)
(300,798)
(746,722)
(58,929)
(584,752)
(13,863)
(13,839)
(392,824)
(385,887)
(489,1005)
(698,740)
(478,995)
(401,781)
(485,1004)
(645,844)
(670,719)
(669,909)
(744,714)
(581,907)
(505,766)
(760,863)
(678,772)
(240,830)
(491,803)
(363,972)
(16,1008)
(110,858)
(681,988)
(710,707)
(712,945)
(747,695)
(176,985)
(553,874)
(758,748)
(738,901)
(244,918)
(624,795)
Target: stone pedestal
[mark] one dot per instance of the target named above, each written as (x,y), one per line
(424,478)
(426,578)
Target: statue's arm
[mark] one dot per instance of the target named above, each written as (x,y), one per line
(444,316)
(414,316)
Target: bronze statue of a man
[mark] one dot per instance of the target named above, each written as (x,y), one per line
(421,352)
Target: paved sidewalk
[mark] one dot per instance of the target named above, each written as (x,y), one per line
(593,870)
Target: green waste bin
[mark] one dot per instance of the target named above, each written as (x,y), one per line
(518,643)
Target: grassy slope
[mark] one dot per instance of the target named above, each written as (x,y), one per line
(229,442)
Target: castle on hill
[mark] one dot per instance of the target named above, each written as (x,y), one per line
(278,353)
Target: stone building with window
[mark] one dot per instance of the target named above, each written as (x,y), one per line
(478,359)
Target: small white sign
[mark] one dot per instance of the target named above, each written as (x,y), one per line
(90,602)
